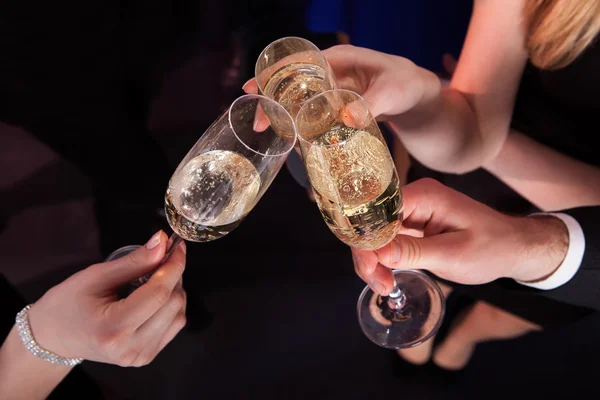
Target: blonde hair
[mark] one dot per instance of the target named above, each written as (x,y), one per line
(558,31)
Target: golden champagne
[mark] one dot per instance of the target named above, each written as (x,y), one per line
(211,195)
(295,83)
(356,187)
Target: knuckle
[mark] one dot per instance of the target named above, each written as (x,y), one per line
(107,343)
(126,360)
(162,293)
(342,47)
(180,321)
(429,183)
(177,300)
(134,258)
(143,360)
(358,270)
(410,251)
(94,269)
(180,268)
(129,357)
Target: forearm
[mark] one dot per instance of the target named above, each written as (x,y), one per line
(578,280)
(545,177)
(443,132)
(542,244)
(24,376)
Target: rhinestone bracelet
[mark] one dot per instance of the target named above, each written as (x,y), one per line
(30,344)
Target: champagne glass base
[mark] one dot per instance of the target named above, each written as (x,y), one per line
(122,252)
(128,288)
(408,323)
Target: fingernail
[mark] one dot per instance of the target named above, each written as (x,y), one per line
(154,241)
(183,247)
(255,124)
(377,287)
(394,251)
(245,84)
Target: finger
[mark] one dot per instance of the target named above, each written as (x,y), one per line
(153,329)
(433,253)
(343,59)
(355,115)
(113,274)
(449,63)
(261,121)
(176,326)
(367,267)
(352,66)
(381,280)
(365,262)
(146,300)
(148,337)
(434,208)
(250,87)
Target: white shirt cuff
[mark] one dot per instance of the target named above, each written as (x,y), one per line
(570,265)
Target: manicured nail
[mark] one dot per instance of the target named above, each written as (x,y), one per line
(255,124)
(154,241)
(377,287)
(245,84)
(394,251)
(183,247)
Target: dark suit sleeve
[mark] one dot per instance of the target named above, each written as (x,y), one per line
(584,288)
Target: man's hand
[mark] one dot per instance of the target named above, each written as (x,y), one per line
(464,241)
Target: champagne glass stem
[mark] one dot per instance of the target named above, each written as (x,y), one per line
(396,298)
(172,244)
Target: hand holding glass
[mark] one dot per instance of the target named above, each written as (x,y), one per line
(356,186)
(226,172)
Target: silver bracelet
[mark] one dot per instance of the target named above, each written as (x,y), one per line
(22,321)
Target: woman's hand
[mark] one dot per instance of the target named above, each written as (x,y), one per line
(83,317)
(391,85)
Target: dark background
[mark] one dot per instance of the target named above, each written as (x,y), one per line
(272,305)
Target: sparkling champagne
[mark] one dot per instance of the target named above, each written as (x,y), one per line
(211,195)
(295,83)
(356,187)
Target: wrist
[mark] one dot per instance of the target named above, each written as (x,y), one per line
(45,332)
(543,242)
(24,376)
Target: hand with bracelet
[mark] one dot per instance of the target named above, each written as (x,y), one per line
(83,318)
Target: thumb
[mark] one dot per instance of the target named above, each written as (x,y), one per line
(376,108)
(433,253)
(251,86)
(116,273)
(449,63)
(261,120)
(355,115)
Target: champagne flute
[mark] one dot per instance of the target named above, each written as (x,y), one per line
(358,193)
(225,173)
(290,71)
